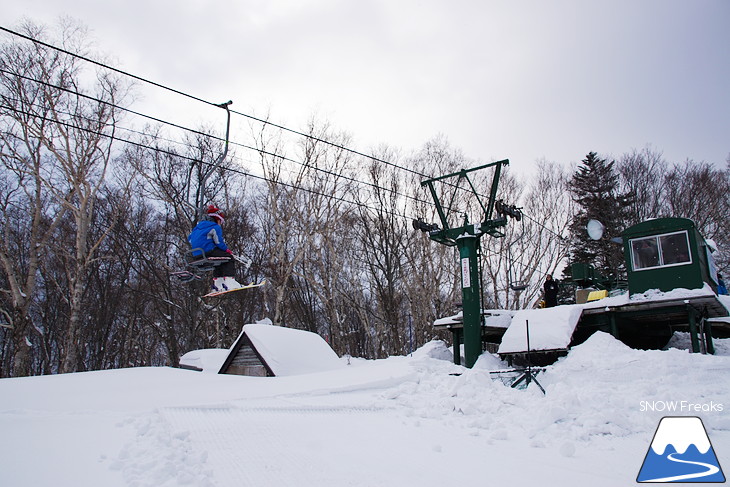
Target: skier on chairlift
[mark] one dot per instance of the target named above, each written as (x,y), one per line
(208,236)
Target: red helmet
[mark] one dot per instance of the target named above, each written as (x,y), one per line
(217,214)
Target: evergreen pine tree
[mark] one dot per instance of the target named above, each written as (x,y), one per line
(595,188)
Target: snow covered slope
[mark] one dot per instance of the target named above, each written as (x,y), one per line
(417,421)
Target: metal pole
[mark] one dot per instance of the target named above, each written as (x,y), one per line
(471,301)
(204,175)
(456,335)
(708,337)
(410,334)
(693,329)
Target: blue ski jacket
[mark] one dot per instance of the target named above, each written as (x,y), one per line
(207,235)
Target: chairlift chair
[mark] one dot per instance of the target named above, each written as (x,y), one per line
(198,265)
(202,262)
(515,285)
(518,286)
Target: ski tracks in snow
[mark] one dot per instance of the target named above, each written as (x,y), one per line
(232,446)
(161,455)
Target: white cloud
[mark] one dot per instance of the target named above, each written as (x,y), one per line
(517,80)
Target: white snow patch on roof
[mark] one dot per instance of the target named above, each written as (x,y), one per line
(550,329)
(292,352)
(209,360)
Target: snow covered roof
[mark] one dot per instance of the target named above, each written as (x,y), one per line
(552,328)
(206,360)
(497,318)
(286,351)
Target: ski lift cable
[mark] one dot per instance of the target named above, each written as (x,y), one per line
(196,98)
(245,146)
(197,132)
(562,239)
(234,170)
(105,66)
(193,97)
(332,144)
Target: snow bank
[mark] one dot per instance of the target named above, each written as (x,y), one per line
(434,349)
(600,392)
(405,419)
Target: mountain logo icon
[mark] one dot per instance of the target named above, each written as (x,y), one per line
(681,452)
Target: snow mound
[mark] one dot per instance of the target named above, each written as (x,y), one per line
(159,455)
(596,347)
(488,361)
(436,349)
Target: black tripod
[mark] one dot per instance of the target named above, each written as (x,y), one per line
(528,375)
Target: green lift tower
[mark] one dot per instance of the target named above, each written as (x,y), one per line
(467,239)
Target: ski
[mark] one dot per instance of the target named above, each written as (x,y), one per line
(247,286)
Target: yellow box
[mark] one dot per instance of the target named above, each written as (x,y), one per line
(596,295)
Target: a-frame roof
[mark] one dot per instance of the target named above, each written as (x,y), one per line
(281,351)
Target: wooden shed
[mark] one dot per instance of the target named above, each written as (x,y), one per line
(265,350)
(244,359)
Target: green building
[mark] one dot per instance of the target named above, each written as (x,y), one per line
(663,254)
(666,254)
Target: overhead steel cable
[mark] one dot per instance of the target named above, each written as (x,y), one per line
(261,151)
(192,159)
(333,144)
(113,105)
(105,66)
(217,105)
(196,98)
(193,97)
(198,132)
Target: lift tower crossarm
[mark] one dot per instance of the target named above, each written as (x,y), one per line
(448,235)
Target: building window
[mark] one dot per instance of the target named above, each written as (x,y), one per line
(660,251)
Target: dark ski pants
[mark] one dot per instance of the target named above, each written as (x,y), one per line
(227,268)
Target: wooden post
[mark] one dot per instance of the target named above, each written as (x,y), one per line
(692,315)
(456,334)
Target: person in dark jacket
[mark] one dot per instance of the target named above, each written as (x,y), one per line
(551,291)
(208,237)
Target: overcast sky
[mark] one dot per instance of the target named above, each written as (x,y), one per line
(521,80)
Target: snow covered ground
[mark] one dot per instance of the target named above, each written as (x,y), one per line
(403,421)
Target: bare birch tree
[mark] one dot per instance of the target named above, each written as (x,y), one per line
(431,279)
(533,246)
(642,174)
(57,139)
(300,205)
